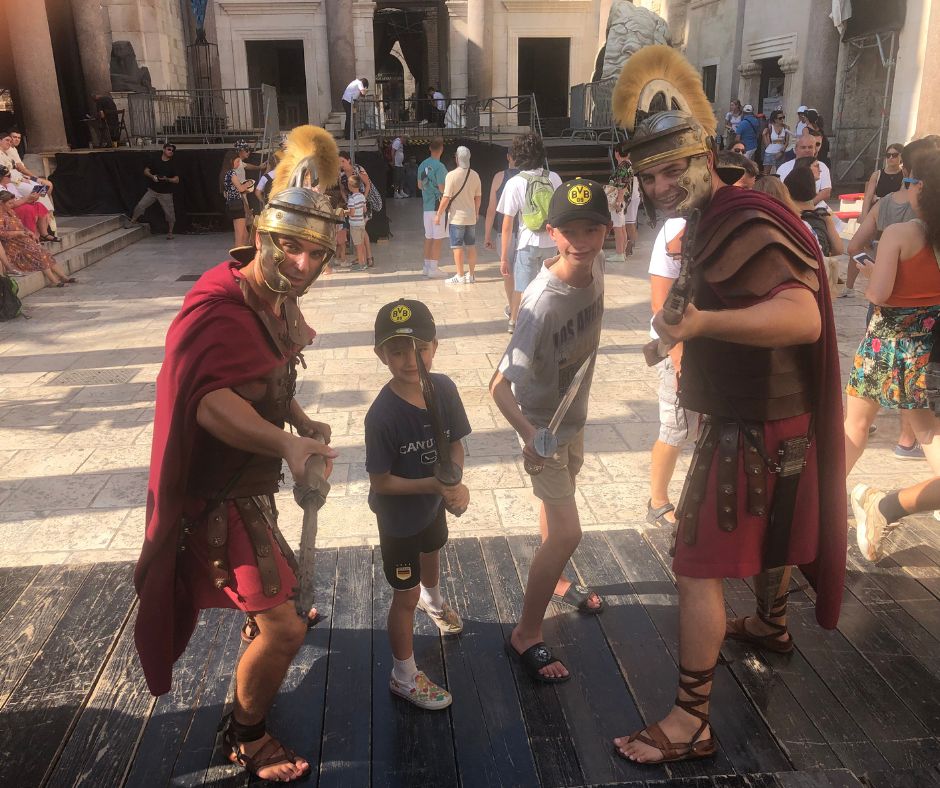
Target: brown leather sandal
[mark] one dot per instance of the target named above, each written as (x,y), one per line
(736,629)
(271,753)
(696,747)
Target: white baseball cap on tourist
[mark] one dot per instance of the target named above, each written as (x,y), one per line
(801,109)
(748,107)
(463,157)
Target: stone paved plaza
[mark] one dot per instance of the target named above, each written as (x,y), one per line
(77,388)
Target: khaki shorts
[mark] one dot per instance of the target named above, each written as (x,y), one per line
(358,235)
(556,482)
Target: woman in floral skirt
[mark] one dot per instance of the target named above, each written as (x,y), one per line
(24,252)
(890,364)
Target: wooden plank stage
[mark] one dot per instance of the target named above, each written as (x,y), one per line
(857,706)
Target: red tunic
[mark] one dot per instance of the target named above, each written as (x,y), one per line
(215,342)
(818,534)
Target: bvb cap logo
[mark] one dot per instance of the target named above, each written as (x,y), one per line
(579,194)
(400,314)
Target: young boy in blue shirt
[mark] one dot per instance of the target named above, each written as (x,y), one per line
(407,499)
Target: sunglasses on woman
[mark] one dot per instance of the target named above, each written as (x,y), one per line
(912,181)
(892,154)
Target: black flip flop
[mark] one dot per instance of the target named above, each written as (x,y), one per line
(533,659)
(578,596)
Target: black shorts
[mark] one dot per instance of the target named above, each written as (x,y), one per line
(401,556)
(235,209)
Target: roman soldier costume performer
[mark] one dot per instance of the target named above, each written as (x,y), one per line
(766,486)
(224,394)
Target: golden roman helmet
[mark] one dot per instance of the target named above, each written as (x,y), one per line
(659,100)
(297,207)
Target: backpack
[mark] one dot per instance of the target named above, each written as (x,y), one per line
(538,196)
(817,223)
(10,304)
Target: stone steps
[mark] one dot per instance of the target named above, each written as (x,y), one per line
(83,244)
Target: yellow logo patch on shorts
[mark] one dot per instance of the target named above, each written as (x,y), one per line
(579,194)
(403,572)
(400,314)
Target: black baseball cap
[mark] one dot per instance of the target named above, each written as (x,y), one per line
(404,318)
(580,198)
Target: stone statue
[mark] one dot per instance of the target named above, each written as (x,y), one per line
(629,28)
(126,74)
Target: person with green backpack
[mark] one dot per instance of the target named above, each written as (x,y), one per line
(526,196)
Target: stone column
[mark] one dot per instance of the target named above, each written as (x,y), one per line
(792,89)
(35,73)
(363,14)
(749,87)
(342,54)
(480,75)
(457,13)
(93,32)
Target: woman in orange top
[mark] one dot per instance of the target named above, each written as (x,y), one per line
(890,364)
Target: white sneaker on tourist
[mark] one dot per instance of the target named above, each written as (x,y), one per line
(871,524)
(426,271)
(456,279)
(616,258)
(847,292)
(468,279)
(433,272)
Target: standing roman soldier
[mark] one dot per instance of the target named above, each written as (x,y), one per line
(766,486)
(224,395)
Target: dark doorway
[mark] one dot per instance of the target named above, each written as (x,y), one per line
(281,64)
(543,70)
(771,86)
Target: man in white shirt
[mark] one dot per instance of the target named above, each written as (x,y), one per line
(801,114)
(533,248)
(806,149)
(354,91)
(676,424)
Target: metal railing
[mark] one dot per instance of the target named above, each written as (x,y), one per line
(592,113)
(374,117)
(510,115)
(221,115)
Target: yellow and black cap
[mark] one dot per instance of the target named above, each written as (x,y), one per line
(580,198)
(404,318)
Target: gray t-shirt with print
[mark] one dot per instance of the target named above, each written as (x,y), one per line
(559,326)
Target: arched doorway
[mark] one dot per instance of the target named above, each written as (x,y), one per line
(405,34)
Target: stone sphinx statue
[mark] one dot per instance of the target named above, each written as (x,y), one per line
(126,73)
(629,28)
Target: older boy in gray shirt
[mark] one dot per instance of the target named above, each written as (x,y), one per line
(558,329)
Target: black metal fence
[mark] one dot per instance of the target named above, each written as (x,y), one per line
(217,115)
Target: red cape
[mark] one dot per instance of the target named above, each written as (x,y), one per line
(827,572)
(216,341)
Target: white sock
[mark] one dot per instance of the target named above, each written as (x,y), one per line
(427,267)
(432,597)
(404,671)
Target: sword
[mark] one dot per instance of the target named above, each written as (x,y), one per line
(446,471)
(310,493)
(545,442)
(680,294)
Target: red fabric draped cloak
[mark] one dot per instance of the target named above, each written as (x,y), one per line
(827,572)
(216,341)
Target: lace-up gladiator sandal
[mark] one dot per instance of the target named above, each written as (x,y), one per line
(690,682)
(778,640)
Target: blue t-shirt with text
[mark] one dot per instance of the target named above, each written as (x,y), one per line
(431,173)
(400,441)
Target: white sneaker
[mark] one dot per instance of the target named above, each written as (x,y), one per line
(510,327)
(507,311)
(434,273)
(847,292)
(400,195)
(426,271)
(456,279)
(468,279)
(616,258)
(424,694)
(871,525)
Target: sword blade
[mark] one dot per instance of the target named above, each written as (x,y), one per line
(570,394)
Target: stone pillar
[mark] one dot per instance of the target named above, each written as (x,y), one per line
(457,13)
(363,16)
(342,54)
(480,74)
(93,32)
(928,113)
(792,87)
(749,87)
(35,74)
